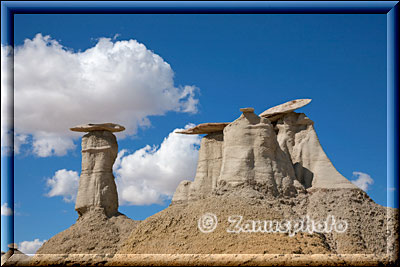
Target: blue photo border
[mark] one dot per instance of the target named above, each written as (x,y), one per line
(390,8)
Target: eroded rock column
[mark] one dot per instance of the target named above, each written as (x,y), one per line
(252,157)
(97,189)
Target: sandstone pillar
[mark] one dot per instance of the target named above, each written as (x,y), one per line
(97,189)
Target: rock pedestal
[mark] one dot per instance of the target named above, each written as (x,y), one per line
(97,189)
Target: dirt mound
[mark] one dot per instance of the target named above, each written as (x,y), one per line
(93,233)
(176,230)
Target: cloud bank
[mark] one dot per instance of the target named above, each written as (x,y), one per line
(30,247)
(113,81)
(363,181)
(147,176)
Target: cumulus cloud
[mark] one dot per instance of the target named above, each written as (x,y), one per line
(30,247)
(151,174)
(363,180)
(64,183)
(5,210)
(56,88)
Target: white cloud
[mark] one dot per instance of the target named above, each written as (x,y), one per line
(363,181)
(64,183)
(30,247)
(113,81)
(47,144)
(151,174)
(5,210)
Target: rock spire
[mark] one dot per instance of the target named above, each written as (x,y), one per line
(97,189)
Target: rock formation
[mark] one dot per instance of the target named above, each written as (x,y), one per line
(100,228)
(97,187)
(262,167)
(276,154)
(270,166)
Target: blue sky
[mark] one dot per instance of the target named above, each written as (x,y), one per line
(224,62)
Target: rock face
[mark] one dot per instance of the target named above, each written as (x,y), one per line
(97,187)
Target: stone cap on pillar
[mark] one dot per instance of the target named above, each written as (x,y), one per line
(205,128)
(247,110)
(90,127)
(285,107)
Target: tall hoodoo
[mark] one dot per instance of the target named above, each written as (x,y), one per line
(97,189)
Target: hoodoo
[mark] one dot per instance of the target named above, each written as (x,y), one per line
(97,187)
(100,228)
(276,154)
